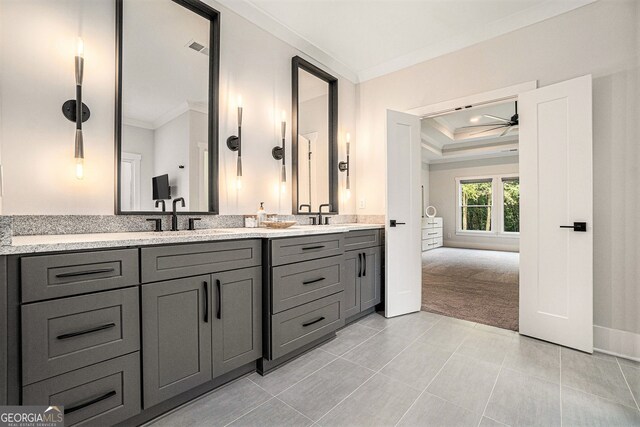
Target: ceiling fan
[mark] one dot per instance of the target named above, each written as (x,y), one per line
(502,123)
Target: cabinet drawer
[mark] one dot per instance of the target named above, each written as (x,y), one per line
(361,239)
(431,243)
(66,334)
(52,276)
(296,284)
(432,223)
(172,262)
(301,325)
(431,233)
(296,249)
(102,394)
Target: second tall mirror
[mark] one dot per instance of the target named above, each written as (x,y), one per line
(315,138)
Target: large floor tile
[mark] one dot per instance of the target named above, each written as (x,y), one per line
(413,325)
(417,365)
(486,346)
(595,375)
(495,330)
(273,413)
(522,400)
(284,377)
(381,401)
(585,410)
(320,392)
(447,334)
(349,337)
(378,351)
(431,410)
(220,407)
(534,357)
(465,382)
(632,375)
(488,422)
(375,321)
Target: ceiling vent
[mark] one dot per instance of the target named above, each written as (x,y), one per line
(198,47)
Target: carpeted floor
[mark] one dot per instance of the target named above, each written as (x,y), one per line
(480,286)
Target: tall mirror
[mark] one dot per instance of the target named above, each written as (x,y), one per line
(166,106)
(315,138)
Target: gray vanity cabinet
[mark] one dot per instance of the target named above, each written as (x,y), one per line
(176,337)
(237,318)
(363,277)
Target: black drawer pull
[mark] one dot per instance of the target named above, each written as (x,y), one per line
(319,319)
(364,264)
(308,248)
(85,272)
(206,302)
(219,311)
(90,402)
(86,331)
(309,282)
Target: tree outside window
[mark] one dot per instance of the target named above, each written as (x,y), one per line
(476,205)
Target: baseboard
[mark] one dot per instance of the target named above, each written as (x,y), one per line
(616,342)
(482,246)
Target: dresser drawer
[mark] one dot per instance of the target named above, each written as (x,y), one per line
(432,223)
(102,394)
(173,262)
(296,249)
(431,233)
(431,243)
(296,284)
(304,324)
(66,334)
(362,239)
(52,276)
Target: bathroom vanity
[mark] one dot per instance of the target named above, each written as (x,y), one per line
(124,328)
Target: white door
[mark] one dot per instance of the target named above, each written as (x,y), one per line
(556,183)
(403,290)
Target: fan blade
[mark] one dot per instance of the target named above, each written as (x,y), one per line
(488,130)
(478,126)
(496,118)
(506,131)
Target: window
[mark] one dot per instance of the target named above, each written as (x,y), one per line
(488,205)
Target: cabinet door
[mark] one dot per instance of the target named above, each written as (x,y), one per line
(371,280)
(237,318)
(176,337)
(352,262)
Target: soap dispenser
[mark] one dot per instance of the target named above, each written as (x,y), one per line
(262,215)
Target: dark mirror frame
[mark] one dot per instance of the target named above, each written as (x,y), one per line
(297,64)
(213,16)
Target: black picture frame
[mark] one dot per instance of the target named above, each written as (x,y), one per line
(298,63)
(213,16)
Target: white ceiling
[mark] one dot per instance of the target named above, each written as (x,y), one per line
(363,39)
(445,138)
(155,55)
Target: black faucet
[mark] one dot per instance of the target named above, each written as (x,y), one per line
(164,207)
(174,215)
(305,206)
(320,212)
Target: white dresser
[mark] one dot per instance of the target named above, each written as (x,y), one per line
(431,233)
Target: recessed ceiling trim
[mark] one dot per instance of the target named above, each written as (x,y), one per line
(513,22)
(262,19)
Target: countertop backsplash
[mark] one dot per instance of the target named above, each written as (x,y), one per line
(34,225)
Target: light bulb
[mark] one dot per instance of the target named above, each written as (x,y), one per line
(283,187)
(80,49)
(79,168)
(239,101)
(239,183)
(347,194)
(284,116)
(348,137)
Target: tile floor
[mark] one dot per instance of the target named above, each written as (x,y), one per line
(428,370)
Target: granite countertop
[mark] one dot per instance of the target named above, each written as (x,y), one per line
(69,242)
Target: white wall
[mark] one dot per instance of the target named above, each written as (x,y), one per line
(443,195)
(171,151)
(602,39)
(37,76)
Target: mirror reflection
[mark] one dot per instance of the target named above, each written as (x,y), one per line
(313,140)
(164,150)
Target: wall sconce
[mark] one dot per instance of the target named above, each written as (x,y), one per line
(279,152)
(78,115)
(344,167)
(234,143)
